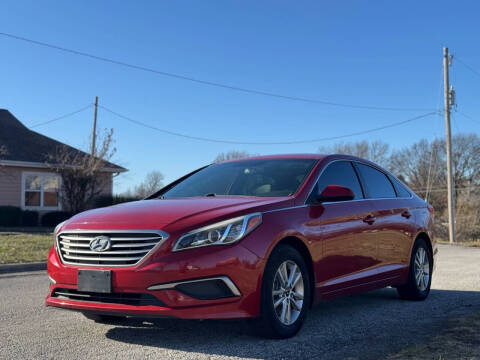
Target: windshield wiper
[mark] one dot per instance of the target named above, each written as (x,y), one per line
(210,195)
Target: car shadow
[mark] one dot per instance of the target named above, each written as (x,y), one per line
(360,327)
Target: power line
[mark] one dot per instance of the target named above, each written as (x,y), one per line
(140,123)
(445,189)
(468,117)
(206,82)
(467,66)
(62,117)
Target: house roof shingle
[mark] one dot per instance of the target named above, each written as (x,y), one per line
(25,145)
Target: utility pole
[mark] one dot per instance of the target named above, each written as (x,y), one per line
(447,101)
(94,129)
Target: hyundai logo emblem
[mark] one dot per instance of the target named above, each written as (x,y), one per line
(100,243)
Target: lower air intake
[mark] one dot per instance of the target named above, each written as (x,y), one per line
(205,290)
(136,299)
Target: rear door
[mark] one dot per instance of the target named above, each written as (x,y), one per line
(349,248)
(393,220)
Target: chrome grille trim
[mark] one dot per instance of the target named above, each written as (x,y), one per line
(133,245)
(103,259)
(84,238)
(73,244)
(128,247)
(90,252)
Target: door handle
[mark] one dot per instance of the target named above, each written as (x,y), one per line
(406,214)
(369,219)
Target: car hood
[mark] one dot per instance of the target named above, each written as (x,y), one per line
(155,214)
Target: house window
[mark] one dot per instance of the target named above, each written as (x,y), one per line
(41,190)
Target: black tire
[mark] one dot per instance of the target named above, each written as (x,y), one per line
(104,319)
(269,324)
(412,290)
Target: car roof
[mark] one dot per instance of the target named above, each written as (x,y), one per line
(300,156)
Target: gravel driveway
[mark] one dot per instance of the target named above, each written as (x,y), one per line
(365,326)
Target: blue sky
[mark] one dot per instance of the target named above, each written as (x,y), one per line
(380,53)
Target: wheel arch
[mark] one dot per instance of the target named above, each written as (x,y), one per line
(423,235)
(300,246)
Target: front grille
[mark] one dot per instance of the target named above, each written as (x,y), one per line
(126,248)
(111,298)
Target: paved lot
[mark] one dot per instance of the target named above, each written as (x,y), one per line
(366,326)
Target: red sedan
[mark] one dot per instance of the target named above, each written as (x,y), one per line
(262,238)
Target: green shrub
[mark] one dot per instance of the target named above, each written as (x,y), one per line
(54,218)
(14,216)
(29,218)
(108,200)
(10,216)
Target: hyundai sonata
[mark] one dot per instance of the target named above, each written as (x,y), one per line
(263,238)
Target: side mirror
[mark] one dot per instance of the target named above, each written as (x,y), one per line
(335,193)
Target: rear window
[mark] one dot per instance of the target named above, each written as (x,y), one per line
(402,191)
(376,183)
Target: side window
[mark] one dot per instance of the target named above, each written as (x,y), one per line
(402,192)
(339,173)
(376,183)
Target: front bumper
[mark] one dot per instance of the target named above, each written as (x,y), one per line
(162,277)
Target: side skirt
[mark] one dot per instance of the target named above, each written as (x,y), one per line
(359,288)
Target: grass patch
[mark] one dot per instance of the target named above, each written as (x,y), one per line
(23,248)
(459,340)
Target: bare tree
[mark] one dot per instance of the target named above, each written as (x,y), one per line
(423,167)
(466,160)
(376,151)
(153,182)
(81,173)
(231,155)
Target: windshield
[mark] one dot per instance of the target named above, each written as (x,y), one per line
(268,177)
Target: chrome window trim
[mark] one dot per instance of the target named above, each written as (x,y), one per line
(357,200)
(226,280)
(285,208)
(385,172)
(163,234)
(327,203)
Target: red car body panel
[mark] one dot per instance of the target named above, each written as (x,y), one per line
(347,254)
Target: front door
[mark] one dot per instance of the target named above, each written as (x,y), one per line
(345,231)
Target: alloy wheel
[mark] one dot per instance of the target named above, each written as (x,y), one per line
(288,292)
(422,269)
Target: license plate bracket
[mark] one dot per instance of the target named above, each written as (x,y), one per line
(99,281)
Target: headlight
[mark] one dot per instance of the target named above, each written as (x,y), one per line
(222,233)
